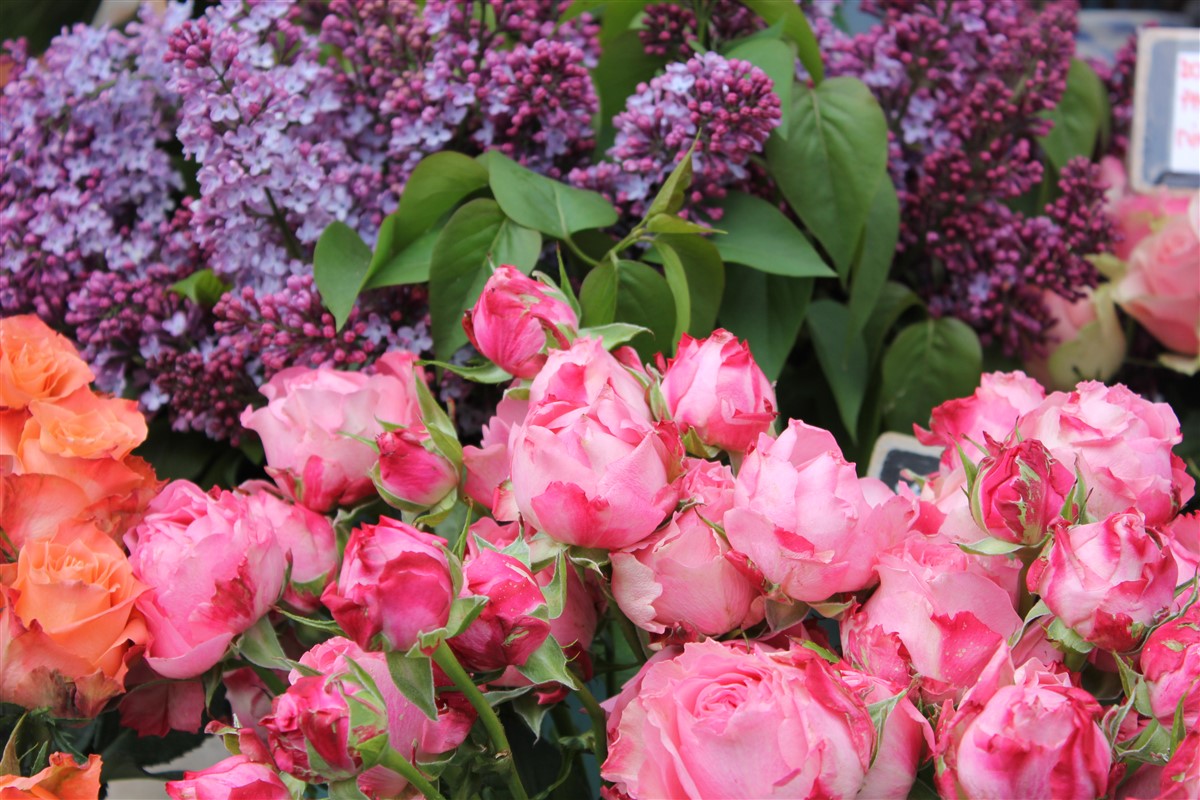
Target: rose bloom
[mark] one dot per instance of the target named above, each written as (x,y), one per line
(576,377)
(412,474)
(304,535)
(506,632)
(678,582)
(85,425)
(234,778)
(596,475)
(214,566)
(798,515)
(714,388)
(1001,399)
(310,421)
(64,778)
(727,719)
(516,319)
(1121,444)
(906,741)
(395,581)
(487,466)
(937,615)
(1087,341)
(1020,491)
(36,363)
(1137,216)
(1161,284)
(1106,580)
(1028,734)
(1170,663)
(69,625)
(1183,536)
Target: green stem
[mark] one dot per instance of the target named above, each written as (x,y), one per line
(565,726)
(401,765)
(582,256)
(599,721)
(445,659)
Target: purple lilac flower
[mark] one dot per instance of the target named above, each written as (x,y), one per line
(729,103)
(1118,81)
(672,29)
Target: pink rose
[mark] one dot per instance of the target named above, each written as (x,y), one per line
(727,719)
(1161,284)
(1019,491)
(678,582)
(395,581)
(1087,341)
(506,632)
(937,616)
(575,377)
(516,318)
(1183,535)
(1170,662)
(214,567)
(305,536)
(1181,776)
(1106,580)
(599,475)
(312,417)
(714,388)
(1028,734)
(1138,216)
(412,474)
(1002,397)
(487,466)
(1121,444)
(797,515)
(157,707)
(906,742)
(234,778)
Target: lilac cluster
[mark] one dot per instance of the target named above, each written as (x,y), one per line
(964,85)
(1118,81)
(728,103)
(85,173)
(263,118)
(677,30)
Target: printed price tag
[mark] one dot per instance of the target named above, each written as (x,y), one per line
(1165,146)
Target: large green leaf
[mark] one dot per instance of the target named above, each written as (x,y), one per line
(598,295)
(843,358)
(928,363)
(778,61)
(678,282)
(477,236)
(410,265)
(644,298)
(705,278)
(894,299)
(542,203)
(767,311)
(340,265)
(758,235)
(875,255)
(1079,117)
(831,164)
(796,28)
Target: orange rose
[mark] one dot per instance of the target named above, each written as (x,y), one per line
(86,425)
(36,363)
(68,624)
(33,507)
(62,780)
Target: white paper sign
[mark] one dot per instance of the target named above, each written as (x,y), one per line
(1185,118)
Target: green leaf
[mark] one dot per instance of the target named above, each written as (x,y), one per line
(259,645)
(478,232)
(831,164)
(437,184)
(340,265)
(480,373)
(672,194)
(202,287)
(555,592)
(547,664)
(410,265)
(463,611)
(765,310)
(438,423)
(990,546)
(1079,117)
(617,16)
(623,64)
(928,363)
(778,61)
(644,298)
(758,235)
(878,248)
(345,790)
(678,283)
(894,299)
(879,716)
(843,358)
(544,204)
(666,223)
(614,334)
(705,272)
(781,616)
(796,28)
(413,676)
(531,712)
(598,295)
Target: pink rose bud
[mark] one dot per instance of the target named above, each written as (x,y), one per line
(678,583)
(1019,491)
(306,536)
(906,742)
(1030,735)
(1170,663)
(1106,580)
(1121,443)
(506,632)
(994,408)
(395,581)
(1086,340)
(600,475)
(215,567)
(727,719)
(575,377)
(516,319)
(1161,285)
(714,388)
(312,418)
(233,777)
(413,475)
(797,515)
